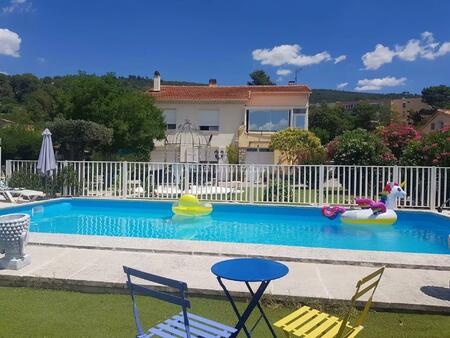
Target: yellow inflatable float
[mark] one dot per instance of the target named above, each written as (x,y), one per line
(189,205)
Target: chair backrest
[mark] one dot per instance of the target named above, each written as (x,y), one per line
(174,298)
(366,285)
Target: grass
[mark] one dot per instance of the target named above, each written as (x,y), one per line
(27,312)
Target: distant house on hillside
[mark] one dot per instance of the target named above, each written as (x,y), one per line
(402,107)
(217,116)
(438,121)
(350,105)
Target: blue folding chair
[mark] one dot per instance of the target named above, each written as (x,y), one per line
(184,324)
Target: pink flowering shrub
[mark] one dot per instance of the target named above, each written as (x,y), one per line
(396,137)
(432,149)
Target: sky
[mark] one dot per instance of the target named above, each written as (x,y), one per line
(374,46)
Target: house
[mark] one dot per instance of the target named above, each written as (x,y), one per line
(402,107)
(350,105)
(438,121)
(203,120)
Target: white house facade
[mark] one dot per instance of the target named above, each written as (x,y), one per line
(219,116)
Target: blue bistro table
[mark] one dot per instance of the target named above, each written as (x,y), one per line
(249,270)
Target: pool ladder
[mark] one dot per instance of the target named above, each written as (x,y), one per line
(441,207)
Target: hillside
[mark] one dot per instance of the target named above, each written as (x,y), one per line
(144,82)
(330,95)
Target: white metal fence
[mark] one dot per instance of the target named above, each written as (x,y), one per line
(427,187)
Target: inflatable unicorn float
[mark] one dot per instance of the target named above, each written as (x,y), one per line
(370,212)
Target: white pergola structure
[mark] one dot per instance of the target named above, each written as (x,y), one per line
(188,143)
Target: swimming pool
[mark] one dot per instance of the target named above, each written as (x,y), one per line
(294,226)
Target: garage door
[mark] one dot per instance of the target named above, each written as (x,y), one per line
(261,156)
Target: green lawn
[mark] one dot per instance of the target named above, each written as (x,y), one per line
(29,312)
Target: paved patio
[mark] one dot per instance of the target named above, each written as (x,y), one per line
(94,269)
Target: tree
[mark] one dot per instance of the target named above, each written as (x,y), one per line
(437,96)
(369,116)
(397,137)
(20,142)
(6,90)
(432,149)
(259,78)
(232,153)
(76,138)
(136,121)
(415,118)
(359,147)
(296,145)
(328,122)
(23,85)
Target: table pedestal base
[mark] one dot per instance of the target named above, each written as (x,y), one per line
(254,302)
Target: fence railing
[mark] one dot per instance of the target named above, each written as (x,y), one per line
(427,187)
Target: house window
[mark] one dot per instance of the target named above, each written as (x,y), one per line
(267,120)
(432,126)
(170,118)
(299,118)
(441,124)
(208,120)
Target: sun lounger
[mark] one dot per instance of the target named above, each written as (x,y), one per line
(15,195)
(26,194)
(168,190)
(211,190)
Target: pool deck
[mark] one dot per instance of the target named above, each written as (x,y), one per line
(277,252)
(325,275)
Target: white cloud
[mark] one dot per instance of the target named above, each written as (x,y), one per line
(41,59)
(342,85)
(9,43)
(19,6)
(288,55)
(377,58)
(340,58)
(284,72)
(380,83)
(425,48)
(270,125)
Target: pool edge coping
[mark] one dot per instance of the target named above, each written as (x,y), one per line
(224,249)
(120,288)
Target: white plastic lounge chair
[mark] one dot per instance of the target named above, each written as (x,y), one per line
(12,194)
(168,190)
(6,194)
(26,194)
(211,190)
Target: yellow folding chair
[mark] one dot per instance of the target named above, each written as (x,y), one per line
(309,323)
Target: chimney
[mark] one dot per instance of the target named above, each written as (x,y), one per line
(292,83)
(212,82)
(156,82)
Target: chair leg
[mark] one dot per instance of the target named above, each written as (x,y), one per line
(287,334)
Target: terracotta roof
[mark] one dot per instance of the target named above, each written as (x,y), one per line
(232,93)
(433,117)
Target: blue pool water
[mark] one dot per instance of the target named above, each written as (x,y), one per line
(294,226)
